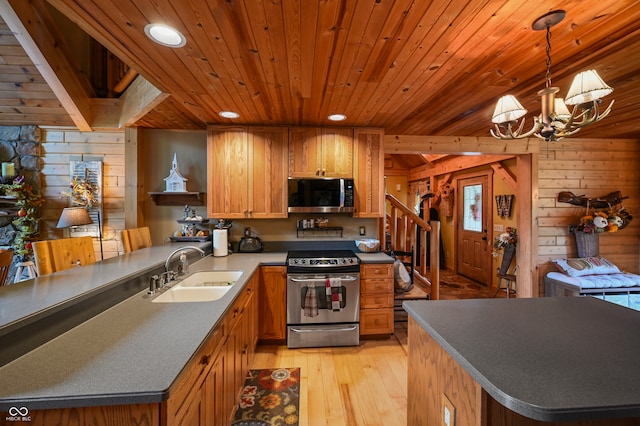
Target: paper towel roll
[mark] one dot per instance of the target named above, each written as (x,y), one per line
(220,243)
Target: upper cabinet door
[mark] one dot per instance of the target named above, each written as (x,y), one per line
(228,168)
(268,172)
(305,152)
(247,172)
(368,166)
(337,153)
(320,152)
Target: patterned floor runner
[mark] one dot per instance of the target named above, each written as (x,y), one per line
(269,397)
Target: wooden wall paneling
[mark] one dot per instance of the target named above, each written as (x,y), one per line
(60,145)
(592,168)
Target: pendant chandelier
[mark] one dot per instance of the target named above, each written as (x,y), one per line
(555,121)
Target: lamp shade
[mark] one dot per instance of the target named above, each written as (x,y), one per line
(587,86)
(74,216)
(561,109)
(508,109)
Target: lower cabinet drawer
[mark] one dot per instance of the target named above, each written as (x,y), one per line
(376,321)
(376,286)
(368,301)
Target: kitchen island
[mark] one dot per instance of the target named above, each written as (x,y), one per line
(134,359)
(134,356)
(543,361)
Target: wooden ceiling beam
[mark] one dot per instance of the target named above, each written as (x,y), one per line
(506,175)
(140,98)
(33,26)
(412,144)
(456,164)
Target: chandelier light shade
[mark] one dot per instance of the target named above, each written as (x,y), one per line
(74,216)
(587,87)
(508,109)
(555,121)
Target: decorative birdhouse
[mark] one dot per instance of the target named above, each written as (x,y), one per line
(175,182)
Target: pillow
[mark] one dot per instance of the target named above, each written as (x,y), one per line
(586,266)
(402,277)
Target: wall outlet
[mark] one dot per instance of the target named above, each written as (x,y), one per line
(498,228)
(448,412)
(363,230)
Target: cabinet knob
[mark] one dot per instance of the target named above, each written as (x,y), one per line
(205,359)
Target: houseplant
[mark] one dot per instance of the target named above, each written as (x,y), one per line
(506,240)
(27,215)
(592,224)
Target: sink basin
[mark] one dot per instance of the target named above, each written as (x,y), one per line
(211,278)
(191,294)
(201,286)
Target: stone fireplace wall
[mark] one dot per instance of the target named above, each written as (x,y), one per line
(20,145)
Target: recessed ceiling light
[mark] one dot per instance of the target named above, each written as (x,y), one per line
(337,117)
(165,35)
(229,114)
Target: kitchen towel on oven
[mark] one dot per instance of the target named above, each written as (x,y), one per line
(311,302)
(334,293)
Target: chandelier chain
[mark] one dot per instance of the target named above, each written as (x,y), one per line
(548,76)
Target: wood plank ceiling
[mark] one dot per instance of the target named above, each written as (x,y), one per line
(412,67)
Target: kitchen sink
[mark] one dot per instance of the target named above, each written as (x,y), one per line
(191,294)
(211,278)
(202,286)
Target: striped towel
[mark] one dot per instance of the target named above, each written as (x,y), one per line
(311,303)
(334,295)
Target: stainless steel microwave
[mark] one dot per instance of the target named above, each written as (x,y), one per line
(320,195)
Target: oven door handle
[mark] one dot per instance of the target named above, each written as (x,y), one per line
(309,280)
(313,330)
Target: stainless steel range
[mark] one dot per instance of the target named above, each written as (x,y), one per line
(323,298)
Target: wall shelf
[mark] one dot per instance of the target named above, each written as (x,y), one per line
(177,198)
(333,231)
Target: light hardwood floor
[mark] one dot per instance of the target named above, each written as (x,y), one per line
(359,385)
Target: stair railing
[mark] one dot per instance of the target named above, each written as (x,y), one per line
(402,226)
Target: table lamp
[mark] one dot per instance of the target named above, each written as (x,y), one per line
(77,216)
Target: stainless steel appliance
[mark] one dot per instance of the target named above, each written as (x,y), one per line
(323,298)
(320,195)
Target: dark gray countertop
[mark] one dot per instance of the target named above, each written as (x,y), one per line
(129,353)
(549,359)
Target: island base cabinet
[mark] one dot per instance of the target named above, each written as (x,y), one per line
(207,390)
(135,414)
(436,379)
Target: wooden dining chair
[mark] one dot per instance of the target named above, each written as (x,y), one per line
(57,255)
(6,257)
(136,238)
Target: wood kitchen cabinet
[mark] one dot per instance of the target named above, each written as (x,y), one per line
(273,303)
(368,172)
(247,172)
(320,152)
(376,299)
(210,385)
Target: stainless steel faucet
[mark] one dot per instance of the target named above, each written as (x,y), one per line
(166,263)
